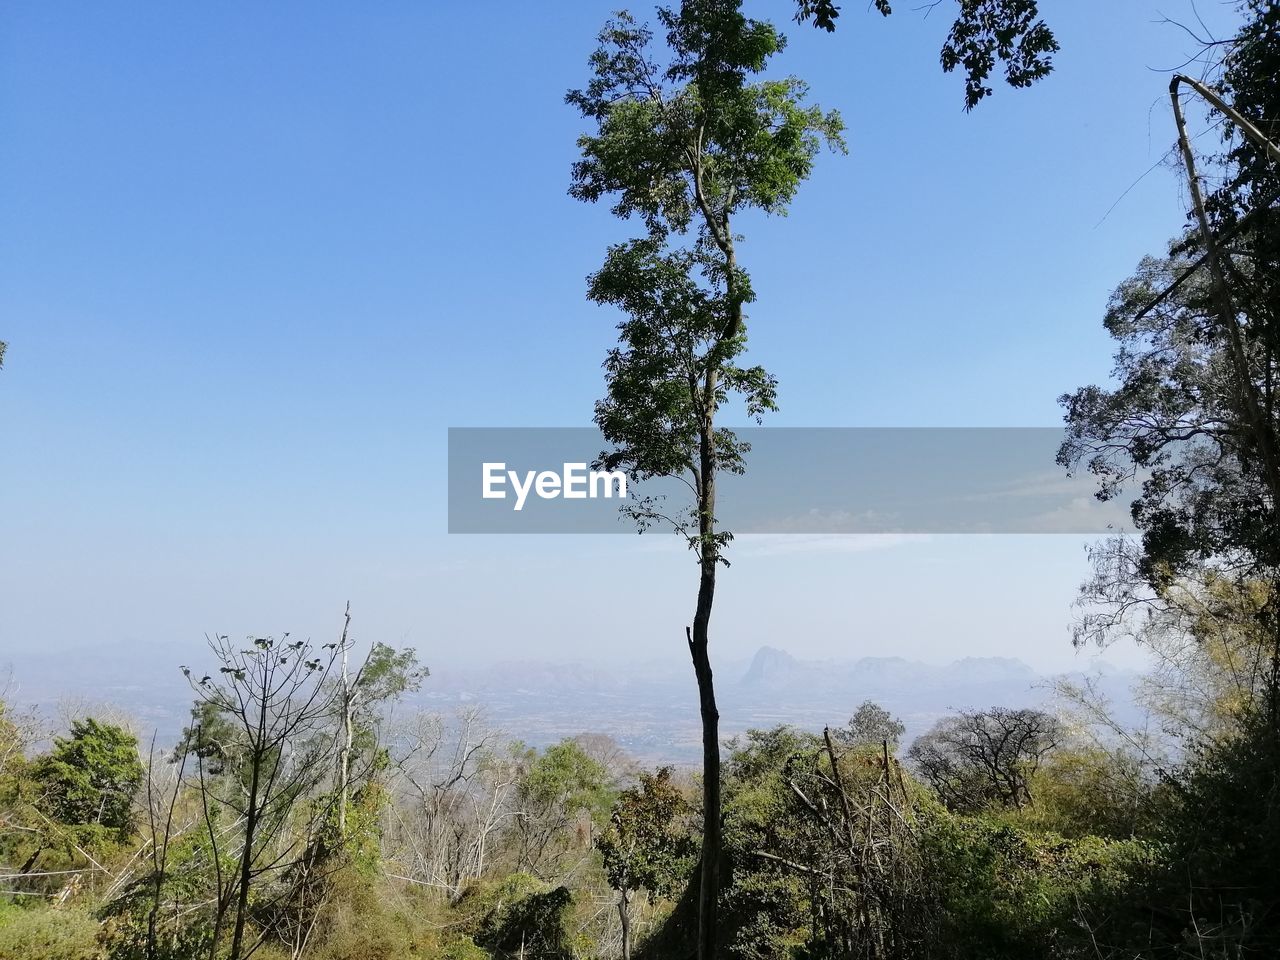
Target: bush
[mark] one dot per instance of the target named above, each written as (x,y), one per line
(518,914)
(463,948)
(365,919)
(1223,837)
(43,933)
(1011,894)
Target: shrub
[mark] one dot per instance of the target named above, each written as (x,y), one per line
(43,933)
(1011,894)
(518,913)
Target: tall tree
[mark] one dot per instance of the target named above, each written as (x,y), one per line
(686,145)
(1195,410)
(1193,423)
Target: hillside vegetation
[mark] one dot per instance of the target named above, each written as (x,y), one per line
(300,816)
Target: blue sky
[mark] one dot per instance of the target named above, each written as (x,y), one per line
(256,259)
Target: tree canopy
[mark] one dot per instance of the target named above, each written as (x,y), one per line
(90,776)
(985,33)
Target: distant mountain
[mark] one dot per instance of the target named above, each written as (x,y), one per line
(991,670)
(650,708)
(771,666)
(777,671)
(886,672)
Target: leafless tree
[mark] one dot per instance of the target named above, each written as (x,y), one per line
(274,703)
(620,768)
(979,758)
(454,792)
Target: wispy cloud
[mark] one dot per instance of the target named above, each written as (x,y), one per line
(1046,484)
(768,545)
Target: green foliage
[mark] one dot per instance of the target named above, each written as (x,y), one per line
(389,673)
(647,845)
(13,757)
(518,913)
(963,888)
(1006,30)
(363,929)
(362,845)
(561,794)
(984,32)
(531,926)
(670,341)
(1222,831)
(825,859)
(1084,790)
(564,777)
(1193,411)
(687,145)
(182,924)
(1012,894)
(41,933)
(1171,416)
(385,676)
(796,887)
(90,777)
(1193,360)
(367,918)
(871,726)
(462,948)
(673,137)
(214,737)
(1247,80)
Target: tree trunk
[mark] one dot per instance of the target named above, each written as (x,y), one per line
(344,752)
(1257,424)
(624,915)
(246,863)
(709,875)
(253,810)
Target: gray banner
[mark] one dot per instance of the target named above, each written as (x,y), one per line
(798,480)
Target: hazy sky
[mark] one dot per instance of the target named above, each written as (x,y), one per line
(256,259)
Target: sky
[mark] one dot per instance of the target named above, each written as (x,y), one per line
(255,260)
